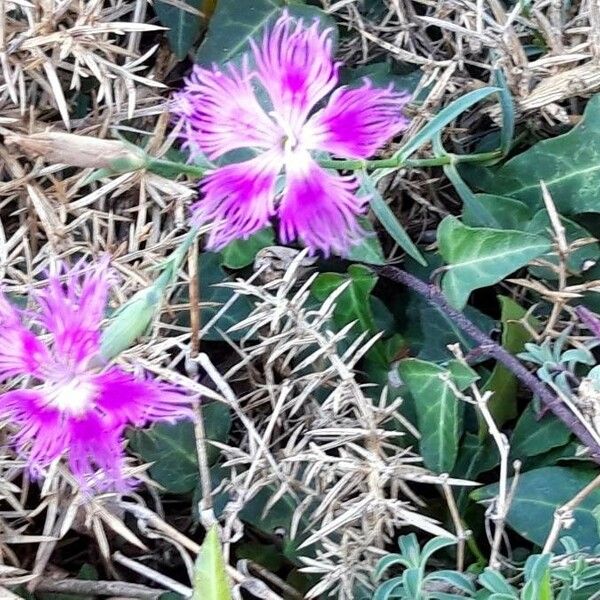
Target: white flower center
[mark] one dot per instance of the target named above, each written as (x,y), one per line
(73,396)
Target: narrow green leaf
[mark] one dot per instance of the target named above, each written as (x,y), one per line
(387,218)
(480,257)
(443,118)
(508,112)
(210,574)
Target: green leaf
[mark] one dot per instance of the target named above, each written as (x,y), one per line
(389,221)
(210,574)
(439,411)
(231,27)
(369,250)
(539,493)
(568,164)
(172,447)
(481,257)
(573,232)
(213,297)
(534,435)
(503,212)
(443,118)
(508,112)
(184,26)
(241,253)
(476,456)
(503,404)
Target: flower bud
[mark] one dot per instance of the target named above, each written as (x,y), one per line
(79,150)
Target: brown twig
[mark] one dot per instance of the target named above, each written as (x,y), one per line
(434,296)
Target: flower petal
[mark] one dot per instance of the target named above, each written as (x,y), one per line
(221,112)
(73,309)
(122,399)
(42,436)
(296,67)
(238,199)
(21,352)
(320,208)
(96,443)
(357,121)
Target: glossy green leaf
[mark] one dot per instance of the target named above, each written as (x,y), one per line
(539,493)
(476,456)
(213,297)
(233,26)
(439,411)
(184,26)
(240,253)
(578,257)
(369,250)
(210,574)
(172,447)
(503,212)
(568,164)
(534,435)
(480,257)
(389,221)
(502,382)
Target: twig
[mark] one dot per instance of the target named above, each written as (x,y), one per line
(435,297)
(98,588)
(161,579)
(563,515)
(461,534)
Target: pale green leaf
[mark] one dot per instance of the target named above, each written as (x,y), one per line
(210,574)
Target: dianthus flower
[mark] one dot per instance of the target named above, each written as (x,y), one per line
(223,110)
(73,408)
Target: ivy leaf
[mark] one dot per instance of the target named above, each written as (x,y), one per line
(439,411)
(172,448)
(240,253)
(480,257)
(534,435)
(231,28)
(568,164)
(505,213)
(539,493)
(503,403)
(184,26)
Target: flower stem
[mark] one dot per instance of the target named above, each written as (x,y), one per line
(434,296)
(397,162)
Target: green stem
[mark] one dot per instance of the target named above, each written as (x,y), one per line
(397,162)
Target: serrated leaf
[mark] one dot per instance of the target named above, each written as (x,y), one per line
(480,257)
(184,26)
(568,164)
(439,411)
(539,493)
(210,574)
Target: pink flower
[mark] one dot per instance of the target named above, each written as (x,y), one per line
(222,111)
(73,408)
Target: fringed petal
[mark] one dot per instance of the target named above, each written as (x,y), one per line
(122,399)
(238,199)
(320,208)
(295,65)
(221,112)
(358,121)
(73,304)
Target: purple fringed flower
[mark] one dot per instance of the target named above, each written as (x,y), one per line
(222,112)
(76,410)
